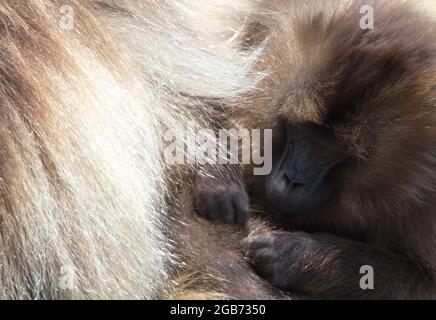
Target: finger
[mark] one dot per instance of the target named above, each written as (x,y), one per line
(213,204)
(227,211)
(261,256)
(201,207)
(241,210)
(256,242)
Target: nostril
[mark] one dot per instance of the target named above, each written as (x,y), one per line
(296,184)
(292,183)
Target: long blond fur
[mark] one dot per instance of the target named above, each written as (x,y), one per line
(82,113)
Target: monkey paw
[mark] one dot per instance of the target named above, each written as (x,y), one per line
(221,202)
(278,256)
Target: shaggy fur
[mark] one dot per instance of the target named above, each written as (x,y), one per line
(83,113)
(375,92)
(83,187)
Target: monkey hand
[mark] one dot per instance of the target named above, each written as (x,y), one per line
(221,202)
(281,257)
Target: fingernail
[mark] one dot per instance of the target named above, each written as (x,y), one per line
(246,241)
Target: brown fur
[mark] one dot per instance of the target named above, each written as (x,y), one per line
(82,180)
(214,266)
(375,90)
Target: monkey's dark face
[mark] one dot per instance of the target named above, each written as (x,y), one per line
(303,170)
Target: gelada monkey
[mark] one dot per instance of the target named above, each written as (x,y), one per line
(353,113)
